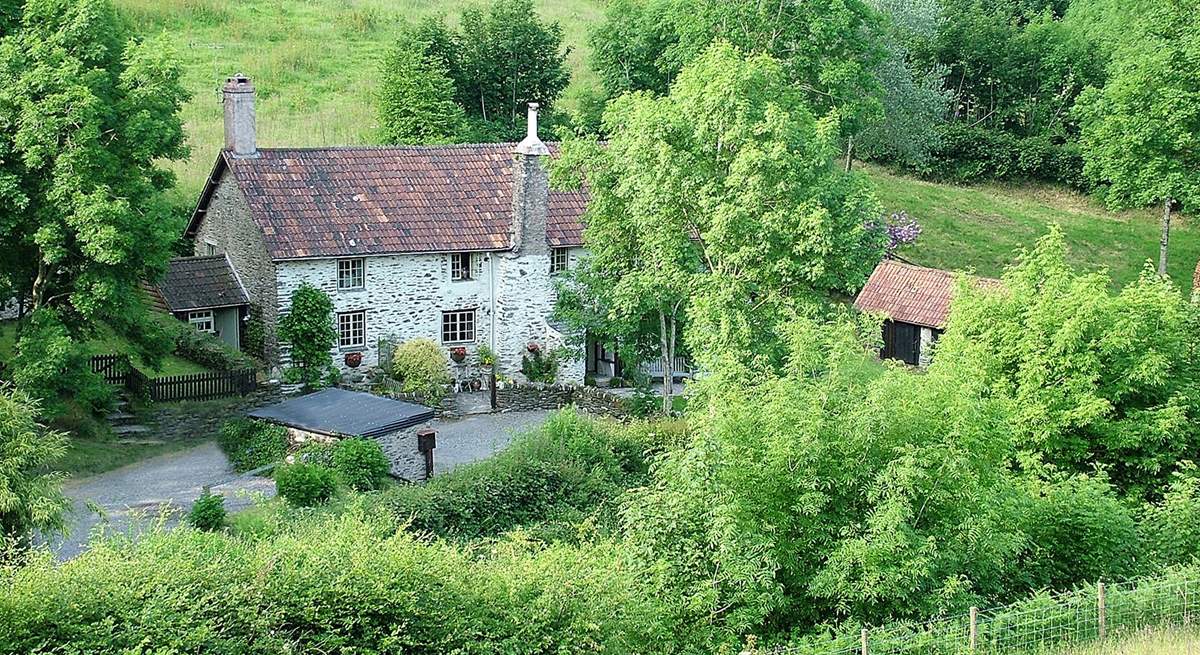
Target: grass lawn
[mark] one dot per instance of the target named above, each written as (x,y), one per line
(90,456)
(979,227)
(1149,643)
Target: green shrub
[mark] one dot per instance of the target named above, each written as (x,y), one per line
(1170,528)
(206,349)
(315,452)
(421,366)
(360,463)
(250,444)
(208,512)
(305,485)
(538,365)
(308,327)
(570,462)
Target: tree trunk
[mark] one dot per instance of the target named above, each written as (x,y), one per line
(1166,237)
(666,338)
(849,153)
(37,295)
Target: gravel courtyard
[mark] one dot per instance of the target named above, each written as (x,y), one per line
(133,496)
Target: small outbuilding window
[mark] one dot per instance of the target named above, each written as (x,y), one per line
(560,260)
(202,321)
(351,274)
(460,266)
(458,326)
(352,329)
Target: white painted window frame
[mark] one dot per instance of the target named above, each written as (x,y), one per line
(348,266)
(347,339)
(454,318)
(198,319)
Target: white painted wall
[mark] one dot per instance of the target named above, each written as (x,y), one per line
(405,295)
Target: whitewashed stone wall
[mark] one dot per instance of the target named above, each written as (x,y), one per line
(404,297)
(8,309)
(926,354)
(408,463)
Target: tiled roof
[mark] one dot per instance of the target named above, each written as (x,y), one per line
(907,293)
(329,202)
(201,283)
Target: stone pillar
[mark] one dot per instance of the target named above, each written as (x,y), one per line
(926,354)
(238,101)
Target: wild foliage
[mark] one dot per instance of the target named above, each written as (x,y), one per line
(251,444)
(88,115)
(421,367)
(360,463)
(31,497)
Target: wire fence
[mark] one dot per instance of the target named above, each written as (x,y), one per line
(1042,624)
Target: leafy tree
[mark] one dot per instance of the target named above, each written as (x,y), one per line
(87,116)
(915,100)
(1141,131)
(629,45)
(417,98)
(1099,379)
(719,202)
(508,58)
(31,498)
(52,367)
(308,327)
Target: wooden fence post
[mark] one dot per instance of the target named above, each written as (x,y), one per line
(974,636)
(866,648)
(1101,610)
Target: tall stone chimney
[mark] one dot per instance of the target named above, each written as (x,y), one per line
(531,191)
(238,100)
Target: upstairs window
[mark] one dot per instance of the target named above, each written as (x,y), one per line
(202,321)
(560,260)
(351,274)
(460,266)
(458,326)
(352,329)
(210,248)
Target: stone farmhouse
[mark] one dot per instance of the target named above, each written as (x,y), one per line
(459,244)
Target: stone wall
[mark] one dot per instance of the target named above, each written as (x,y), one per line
(408,463)
(195,420)
(521,397)
(228,227)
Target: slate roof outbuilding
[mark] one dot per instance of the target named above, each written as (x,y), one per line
(342,413)
(350,201)
(908,293)
(208,282)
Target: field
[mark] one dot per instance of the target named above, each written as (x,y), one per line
(1151,643)
(315,65)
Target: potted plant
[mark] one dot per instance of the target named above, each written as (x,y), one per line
(458,354)
(353,360)
(476,384)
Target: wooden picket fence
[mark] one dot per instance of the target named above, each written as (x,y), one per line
(118,371)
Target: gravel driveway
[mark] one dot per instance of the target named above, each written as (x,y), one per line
(131,497)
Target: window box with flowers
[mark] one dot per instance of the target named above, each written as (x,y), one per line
(458,354)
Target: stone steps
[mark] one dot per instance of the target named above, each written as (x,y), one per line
(126,430)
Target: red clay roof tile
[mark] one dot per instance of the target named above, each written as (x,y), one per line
(907,293)
(331,202)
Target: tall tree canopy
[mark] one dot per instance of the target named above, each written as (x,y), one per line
(87,115)
(1141,131)
(721,199)
(1099,379)
(501,58)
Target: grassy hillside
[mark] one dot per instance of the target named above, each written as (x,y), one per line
(978,228)
(315,65)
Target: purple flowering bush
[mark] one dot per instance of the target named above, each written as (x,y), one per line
(899,230)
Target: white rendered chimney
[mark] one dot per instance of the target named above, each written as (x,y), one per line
(532,145)
(238,100)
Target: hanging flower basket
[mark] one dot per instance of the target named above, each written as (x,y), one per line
(533,347)
(458,354)
(353,360)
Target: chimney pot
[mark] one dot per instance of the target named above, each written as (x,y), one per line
(532,145)
(238,101)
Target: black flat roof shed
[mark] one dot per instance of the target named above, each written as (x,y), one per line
(341,413)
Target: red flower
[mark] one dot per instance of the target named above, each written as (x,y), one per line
(533,348)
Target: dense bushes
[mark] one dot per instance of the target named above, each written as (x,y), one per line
(305,485)
(339,584)
(206,349)
(971,153)
(570,462)
(250,444)
(421,366)
(360,463)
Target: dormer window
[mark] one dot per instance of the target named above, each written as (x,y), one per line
(460,266)
(352,274)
